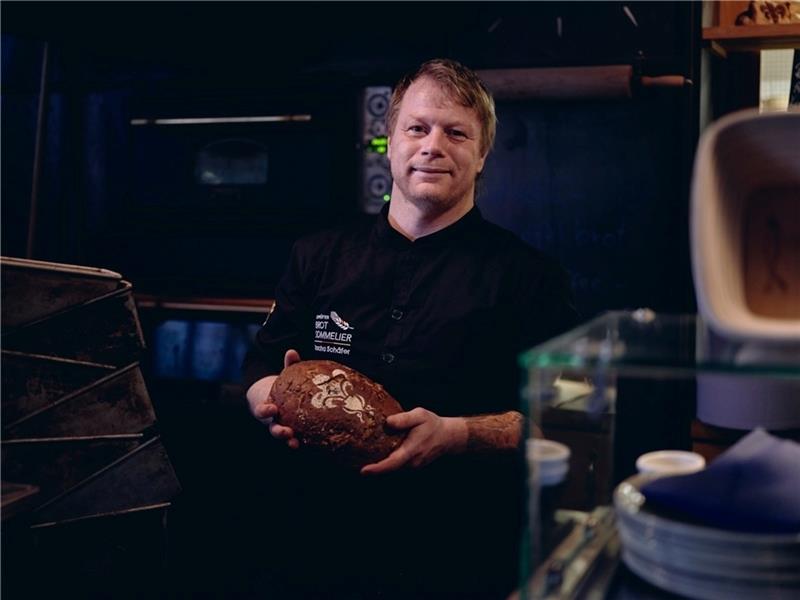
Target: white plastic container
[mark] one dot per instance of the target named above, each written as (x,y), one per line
(745,219)
(745,237)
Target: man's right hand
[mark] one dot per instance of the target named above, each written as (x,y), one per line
(263,409)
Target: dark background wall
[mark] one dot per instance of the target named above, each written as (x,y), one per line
(600,184)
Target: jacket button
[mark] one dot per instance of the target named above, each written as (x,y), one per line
(387,357)
(397,314)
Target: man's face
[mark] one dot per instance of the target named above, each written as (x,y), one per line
(434,149)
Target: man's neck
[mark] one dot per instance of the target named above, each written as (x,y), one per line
(414,223)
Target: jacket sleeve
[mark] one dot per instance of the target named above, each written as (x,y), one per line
(284,326)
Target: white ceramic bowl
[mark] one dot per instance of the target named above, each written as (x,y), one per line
(551,458)
(670,462)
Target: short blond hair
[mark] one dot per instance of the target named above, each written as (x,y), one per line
(462,85)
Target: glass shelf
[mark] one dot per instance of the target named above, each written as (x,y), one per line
(643,342)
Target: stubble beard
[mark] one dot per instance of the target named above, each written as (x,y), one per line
(432,204)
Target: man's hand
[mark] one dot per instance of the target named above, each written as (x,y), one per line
(429,437)
(264,410)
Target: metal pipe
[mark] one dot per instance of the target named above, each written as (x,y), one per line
(41,131)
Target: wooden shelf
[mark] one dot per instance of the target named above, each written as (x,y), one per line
(750,38)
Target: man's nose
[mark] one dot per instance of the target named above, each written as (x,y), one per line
(434,142)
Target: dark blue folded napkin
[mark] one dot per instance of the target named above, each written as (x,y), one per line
(754,486)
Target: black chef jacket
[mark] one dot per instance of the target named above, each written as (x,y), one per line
(439,322)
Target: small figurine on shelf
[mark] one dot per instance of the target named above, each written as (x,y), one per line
(762,12)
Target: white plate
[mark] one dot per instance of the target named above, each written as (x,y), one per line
(630,502)
(704,587)
(703,562)
(726,556)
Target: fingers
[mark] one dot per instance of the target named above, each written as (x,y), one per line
(407,420)
(265,411)
(292,356)
(279,432)
(429,436)
(396,460)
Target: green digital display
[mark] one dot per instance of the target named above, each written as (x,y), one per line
(379,144)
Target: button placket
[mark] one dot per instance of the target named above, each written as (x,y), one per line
(406,269)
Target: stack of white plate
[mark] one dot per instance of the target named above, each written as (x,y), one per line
(703,562)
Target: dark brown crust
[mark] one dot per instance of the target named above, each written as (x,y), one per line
(334,408)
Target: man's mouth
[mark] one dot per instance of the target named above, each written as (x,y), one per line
(430,170)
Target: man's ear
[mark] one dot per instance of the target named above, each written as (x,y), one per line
(389,148)
(482,163)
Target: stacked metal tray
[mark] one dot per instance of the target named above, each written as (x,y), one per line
(77,420)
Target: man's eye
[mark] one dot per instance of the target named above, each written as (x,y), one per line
(416,129)
(457,133)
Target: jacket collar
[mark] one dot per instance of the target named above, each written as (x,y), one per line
(386,233)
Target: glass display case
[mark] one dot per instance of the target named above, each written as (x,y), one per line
(623,385)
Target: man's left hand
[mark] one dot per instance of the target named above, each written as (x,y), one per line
(429,437)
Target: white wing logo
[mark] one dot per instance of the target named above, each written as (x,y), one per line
(340,322)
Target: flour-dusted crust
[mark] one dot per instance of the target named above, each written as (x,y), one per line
(336,409)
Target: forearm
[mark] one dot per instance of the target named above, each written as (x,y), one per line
(494,433)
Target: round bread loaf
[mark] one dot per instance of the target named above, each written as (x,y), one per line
(336,409)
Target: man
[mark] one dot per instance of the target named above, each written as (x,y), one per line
(437,304)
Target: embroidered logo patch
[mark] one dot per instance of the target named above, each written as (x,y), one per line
(332,334)
(340,322)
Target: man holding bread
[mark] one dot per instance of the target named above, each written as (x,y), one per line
(434,304)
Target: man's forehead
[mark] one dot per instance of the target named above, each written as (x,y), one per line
(434,90)
(429,91)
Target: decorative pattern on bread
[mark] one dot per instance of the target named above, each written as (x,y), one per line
(337,410)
